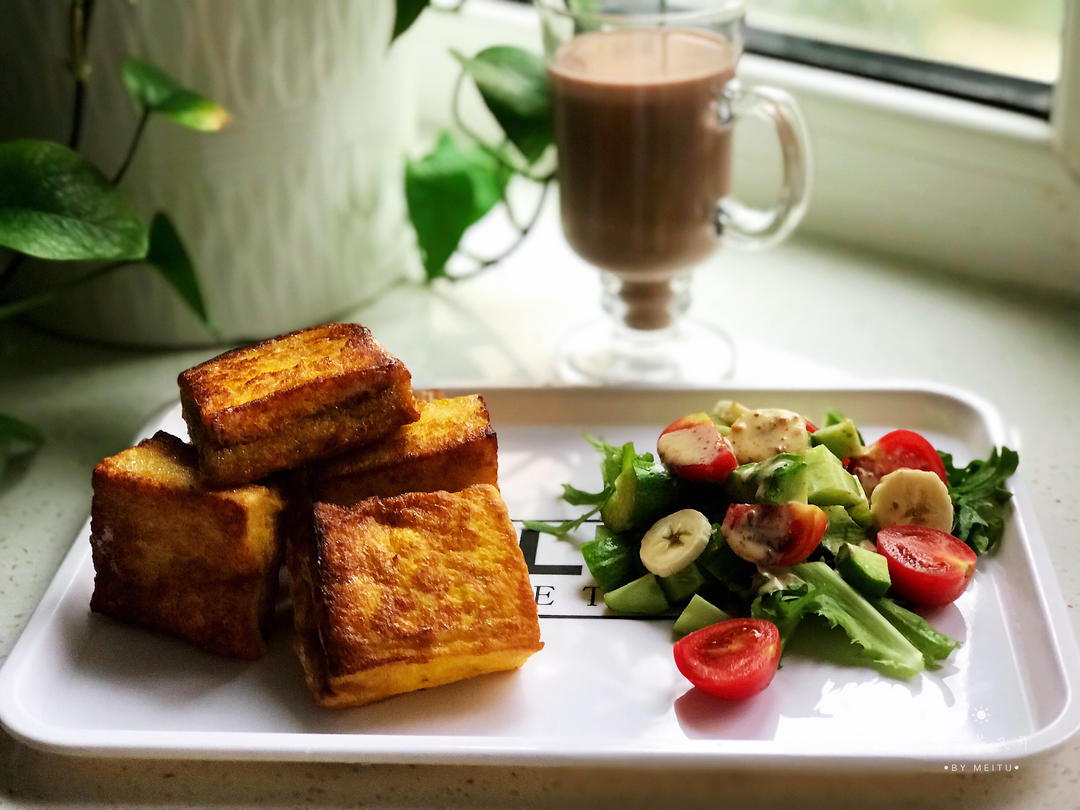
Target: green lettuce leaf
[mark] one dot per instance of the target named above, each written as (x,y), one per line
(823,592)
(934,646)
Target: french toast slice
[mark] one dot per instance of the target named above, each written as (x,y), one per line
(397,594)
(292,399)
(451,446)
(173,556)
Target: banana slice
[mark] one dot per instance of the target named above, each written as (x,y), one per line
(761,434)
(674,542)
(911,498)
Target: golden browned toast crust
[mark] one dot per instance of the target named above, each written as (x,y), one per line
(451,446)
(169,555)
(401,593)
(284,402)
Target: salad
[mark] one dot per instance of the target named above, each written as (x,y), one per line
(751,520)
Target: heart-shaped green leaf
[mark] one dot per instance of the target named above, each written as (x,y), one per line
(167,255)
(514,85)
(54,204)
(448,190)
(405,15)
(157,91)
(17,438)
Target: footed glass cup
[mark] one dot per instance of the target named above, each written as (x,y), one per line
(645,101)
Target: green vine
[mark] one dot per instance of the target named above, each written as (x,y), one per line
(455,184)
(56,206)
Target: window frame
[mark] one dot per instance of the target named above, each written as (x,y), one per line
(1065,112)
(998,90)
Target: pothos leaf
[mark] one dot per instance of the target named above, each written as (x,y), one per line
(168,256)
(405,15)
(55,204)
(514,85)
(155,90)
(17,438)
(447,190)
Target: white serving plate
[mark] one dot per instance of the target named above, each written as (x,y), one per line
(604,690)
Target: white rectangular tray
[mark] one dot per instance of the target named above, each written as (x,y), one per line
(604,690)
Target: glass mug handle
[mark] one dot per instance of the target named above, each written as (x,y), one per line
(756,228)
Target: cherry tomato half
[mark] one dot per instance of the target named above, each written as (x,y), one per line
(900,449)
(927,566)
(733,659)
(773,533)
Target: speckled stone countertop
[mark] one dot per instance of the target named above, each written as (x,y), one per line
(877,319)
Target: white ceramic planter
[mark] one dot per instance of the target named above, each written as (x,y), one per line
(293,214)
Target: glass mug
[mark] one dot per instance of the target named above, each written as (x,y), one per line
(644,99)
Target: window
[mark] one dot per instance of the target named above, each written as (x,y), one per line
(996,51)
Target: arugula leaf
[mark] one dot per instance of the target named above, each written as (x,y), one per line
(612,463)
(159,92)
(824,592)
(447,190)
(17,438)
(55,204)
(615,460)
(578,497)
(619,458)
(979,497)
(559,529)
(515,87)
(168,256)
(405,15)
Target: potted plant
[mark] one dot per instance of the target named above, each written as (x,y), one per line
(291,215)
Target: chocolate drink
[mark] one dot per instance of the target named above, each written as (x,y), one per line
(643,157)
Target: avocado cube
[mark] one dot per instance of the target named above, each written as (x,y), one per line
(866,571)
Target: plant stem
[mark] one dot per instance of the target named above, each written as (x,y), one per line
(80,13)
(13,308)
(139,127)
(483,263)
(495,154)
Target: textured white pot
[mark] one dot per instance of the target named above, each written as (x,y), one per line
(293,214)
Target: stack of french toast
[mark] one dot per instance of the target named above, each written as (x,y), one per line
(312,450)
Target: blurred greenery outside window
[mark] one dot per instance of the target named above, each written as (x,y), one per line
(1002,52)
